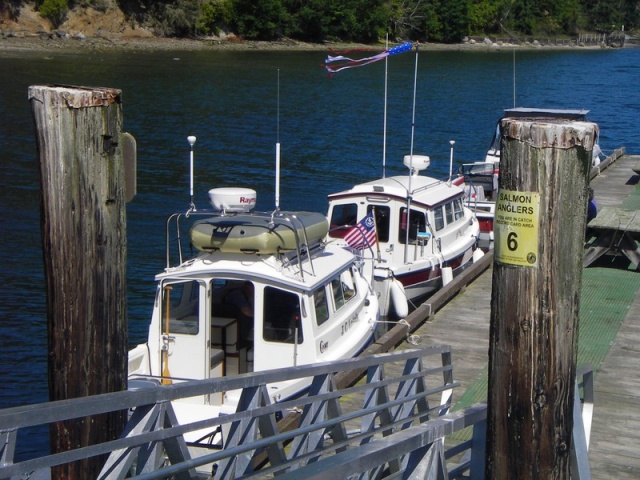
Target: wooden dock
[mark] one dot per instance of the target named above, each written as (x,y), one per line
(464,324)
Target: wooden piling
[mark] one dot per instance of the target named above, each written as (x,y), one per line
(83,219)
(539,228)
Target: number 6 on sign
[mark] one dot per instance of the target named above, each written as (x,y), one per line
(516,226)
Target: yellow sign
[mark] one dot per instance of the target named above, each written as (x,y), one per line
(515,228)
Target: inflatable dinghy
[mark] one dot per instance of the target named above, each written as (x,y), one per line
(259,233)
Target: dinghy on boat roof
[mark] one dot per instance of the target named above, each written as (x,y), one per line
(244,232)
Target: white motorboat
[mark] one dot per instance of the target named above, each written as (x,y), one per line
(412,255)
(480,179)
(308,302)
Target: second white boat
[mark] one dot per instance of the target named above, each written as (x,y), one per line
(412,255)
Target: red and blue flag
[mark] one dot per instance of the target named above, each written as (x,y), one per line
(334,64)
(363,234)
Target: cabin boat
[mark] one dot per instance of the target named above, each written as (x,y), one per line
(412,255)
(480,179)
(308,302)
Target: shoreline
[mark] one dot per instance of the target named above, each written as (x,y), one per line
(50,43)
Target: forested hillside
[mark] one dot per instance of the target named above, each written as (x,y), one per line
(364,21)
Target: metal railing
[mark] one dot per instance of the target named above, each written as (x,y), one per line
(392,424)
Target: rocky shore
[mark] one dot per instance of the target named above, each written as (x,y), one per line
(87,31)
(63,42)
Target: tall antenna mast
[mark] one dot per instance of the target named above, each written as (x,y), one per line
(192,140)
(451,142)
(514,78)
(411,170)
(278,146)
(384,127)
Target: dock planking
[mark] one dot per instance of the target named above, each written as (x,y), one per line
(464,324)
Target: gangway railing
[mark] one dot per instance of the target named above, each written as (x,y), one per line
(393,423)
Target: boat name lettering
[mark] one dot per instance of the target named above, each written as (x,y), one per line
(324,346)
(222,229)
(348,324)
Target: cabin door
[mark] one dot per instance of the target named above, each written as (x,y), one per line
(183,330)
(413,244)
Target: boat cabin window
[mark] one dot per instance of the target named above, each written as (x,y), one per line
(417,223)
(342,216)
(180,307)
(458,208)
(450,211)
(343,288)
(281,316)
(382,215)
(448,208)
(438,215)
(321,306)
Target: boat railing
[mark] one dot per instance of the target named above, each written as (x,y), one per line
(292,218)
(397,420)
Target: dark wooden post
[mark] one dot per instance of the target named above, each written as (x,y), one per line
(84,241)
(539,227)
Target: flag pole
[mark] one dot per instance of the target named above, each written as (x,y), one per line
(384,123)
(277,199)
(413,129)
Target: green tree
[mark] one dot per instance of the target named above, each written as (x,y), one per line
(371,20)
(214,15)
(414,19)
(569,17)
(261,19)
(55,11)
(484,16)
(454,18)
(173,18)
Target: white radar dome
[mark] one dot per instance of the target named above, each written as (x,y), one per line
(417,162)
(232,199)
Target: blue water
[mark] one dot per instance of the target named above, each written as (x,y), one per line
(331,132)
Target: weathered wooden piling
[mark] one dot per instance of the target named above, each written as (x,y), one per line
(539,227)
(78,133)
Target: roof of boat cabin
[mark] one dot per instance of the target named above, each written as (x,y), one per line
(425,190)
(327,262)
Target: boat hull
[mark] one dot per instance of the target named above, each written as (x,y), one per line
(417,285)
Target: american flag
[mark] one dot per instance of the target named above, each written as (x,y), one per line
(363,234)
(336,63)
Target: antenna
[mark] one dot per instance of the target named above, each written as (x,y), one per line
(278,145)
(192,140)
(451,142)
(384,123)
(514,78)
(413,128)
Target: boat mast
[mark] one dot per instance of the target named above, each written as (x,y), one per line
(384,122)
(411,169)
(514,78)
(451,142)
(278,144)
(192,140)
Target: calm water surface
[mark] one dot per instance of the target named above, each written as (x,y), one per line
(330,131)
